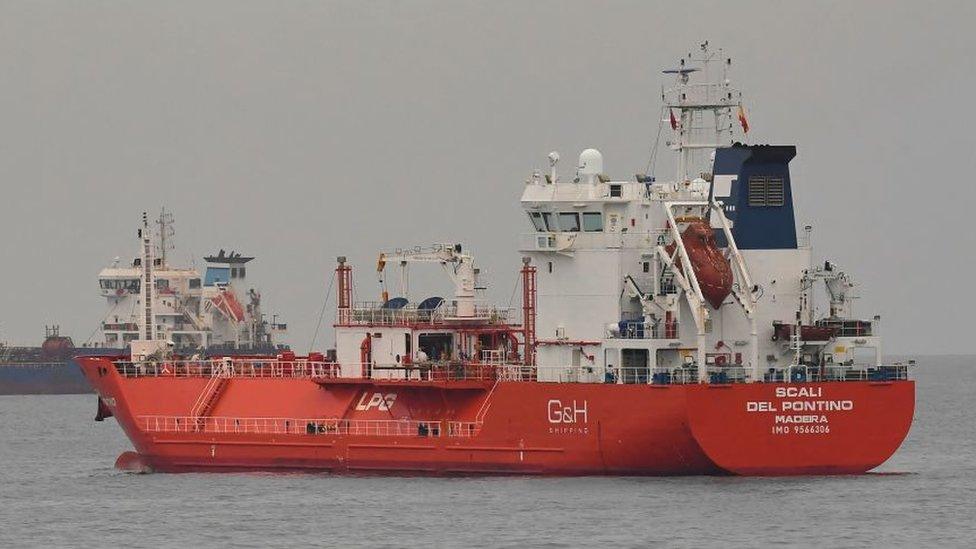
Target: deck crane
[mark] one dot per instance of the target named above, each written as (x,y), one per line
(458,265)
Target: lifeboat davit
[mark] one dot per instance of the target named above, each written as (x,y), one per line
(711,267)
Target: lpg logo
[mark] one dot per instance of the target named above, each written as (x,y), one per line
(379,401)
(575,413)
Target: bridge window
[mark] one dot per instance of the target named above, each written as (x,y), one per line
(616,191)
(766,191)
(194,283)
(543,222)
(131,284)
(593,222)
(537,222)
(549,222)
(569,221)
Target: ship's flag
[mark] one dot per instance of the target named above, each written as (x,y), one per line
(742,120)
(674,121)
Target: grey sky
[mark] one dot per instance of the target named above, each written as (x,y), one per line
(300,131)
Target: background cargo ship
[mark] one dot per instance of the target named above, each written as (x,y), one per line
(45,369)
(215,314)
(674,327)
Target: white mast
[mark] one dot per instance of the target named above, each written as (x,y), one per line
(148,344)
(702,113)
(147,286)
(166,232)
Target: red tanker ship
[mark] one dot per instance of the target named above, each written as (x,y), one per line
(665,328)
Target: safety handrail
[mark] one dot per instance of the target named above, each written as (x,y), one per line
(232,367)
(308,426)
(453,371)
(373,313)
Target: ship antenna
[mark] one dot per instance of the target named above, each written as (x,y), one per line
(148,281)
(701,112)
(652,161)
(166,232)
(148,345)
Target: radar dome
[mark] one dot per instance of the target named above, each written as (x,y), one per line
(590,162)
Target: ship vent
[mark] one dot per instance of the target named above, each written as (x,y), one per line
(766,191)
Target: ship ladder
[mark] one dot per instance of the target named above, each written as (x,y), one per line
(479,418)
(796,345)
(207,400)
(194,319)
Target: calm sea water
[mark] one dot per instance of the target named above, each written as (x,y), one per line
(58,488)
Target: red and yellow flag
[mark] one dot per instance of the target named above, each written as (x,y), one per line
(742,120)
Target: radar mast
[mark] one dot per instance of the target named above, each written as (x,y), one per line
(166,234)
(701,110)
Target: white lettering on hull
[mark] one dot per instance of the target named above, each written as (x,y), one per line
(379,401)
(568,419)
(799,410)
(576,413)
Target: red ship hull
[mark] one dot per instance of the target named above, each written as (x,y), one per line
(506,427)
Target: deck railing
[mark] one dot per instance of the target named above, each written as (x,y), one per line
(635,329)
(229,367)
(491,371)
(565,240)
(798,374)
(374,314)
(308,426)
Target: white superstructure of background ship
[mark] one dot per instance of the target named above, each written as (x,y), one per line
(216,310)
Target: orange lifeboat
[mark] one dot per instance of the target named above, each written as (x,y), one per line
(227,303)
(711,267)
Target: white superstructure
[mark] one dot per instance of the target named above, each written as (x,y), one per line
(191,311)
(682,277)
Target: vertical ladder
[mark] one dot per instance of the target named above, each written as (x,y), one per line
(528,312)
(796,345)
